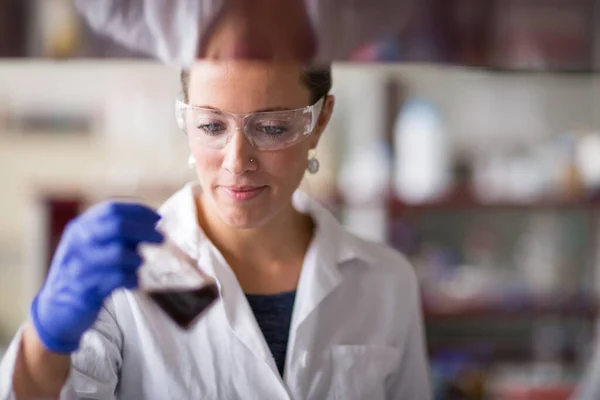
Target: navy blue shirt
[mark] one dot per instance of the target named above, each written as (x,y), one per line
(274,315)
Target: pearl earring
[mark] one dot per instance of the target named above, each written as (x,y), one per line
(313,163)
(191,162)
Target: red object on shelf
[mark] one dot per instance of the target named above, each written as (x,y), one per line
(59,212)
(550,392)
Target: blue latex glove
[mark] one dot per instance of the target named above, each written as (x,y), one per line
(96,255)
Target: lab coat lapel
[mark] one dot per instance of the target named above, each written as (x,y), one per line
(237,309)
(319,277)
(320,271)
(181,223)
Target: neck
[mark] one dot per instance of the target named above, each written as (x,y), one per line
(273,248)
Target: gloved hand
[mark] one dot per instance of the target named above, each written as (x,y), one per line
(96,255)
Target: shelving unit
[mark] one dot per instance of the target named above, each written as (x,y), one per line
(504,326)
(570,306)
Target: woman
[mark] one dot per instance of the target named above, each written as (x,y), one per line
(307,311)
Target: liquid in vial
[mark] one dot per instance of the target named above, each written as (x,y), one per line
(185,305)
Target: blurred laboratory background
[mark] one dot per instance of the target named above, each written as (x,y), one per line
(478,157)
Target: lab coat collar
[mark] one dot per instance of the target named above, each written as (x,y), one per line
(331,248)
(180,220)
(338,245)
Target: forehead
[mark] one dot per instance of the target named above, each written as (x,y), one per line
(244,86)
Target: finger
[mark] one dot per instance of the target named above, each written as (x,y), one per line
(115,256)
(111,282)
(130,280)
(121,230)
(130,211)
(126,280)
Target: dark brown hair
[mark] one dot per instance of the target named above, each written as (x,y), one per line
(316,79)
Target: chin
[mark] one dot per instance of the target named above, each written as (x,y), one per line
(251,214)
(243,218)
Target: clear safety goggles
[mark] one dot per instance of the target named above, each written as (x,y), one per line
(271,130)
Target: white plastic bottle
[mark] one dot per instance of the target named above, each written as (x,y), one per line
(422,153)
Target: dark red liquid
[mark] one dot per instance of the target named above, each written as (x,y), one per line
(184,306)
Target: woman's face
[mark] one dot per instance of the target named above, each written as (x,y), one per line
(244,186)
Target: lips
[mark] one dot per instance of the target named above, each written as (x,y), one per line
(242,193)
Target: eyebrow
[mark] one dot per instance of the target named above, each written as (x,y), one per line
(256,111)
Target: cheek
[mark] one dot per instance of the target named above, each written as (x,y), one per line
(283,168)
(286,166)
(208,162)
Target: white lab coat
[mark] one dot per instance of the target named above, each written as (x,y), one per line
(356,330)
(170,29)
(588,387)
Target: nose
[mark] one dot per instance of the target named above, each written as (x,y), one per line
(238,157)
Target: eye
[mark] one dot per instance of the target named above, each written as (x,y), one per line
(272,129)
(212,128)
